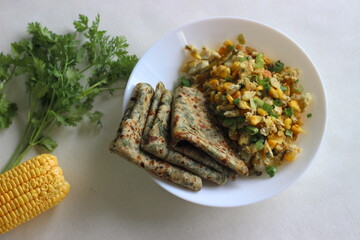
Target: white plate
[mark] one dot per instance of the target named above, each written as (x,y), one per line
(162,63)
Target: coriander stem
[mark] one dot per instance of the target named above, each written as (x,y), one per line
(20,156)
(88,67)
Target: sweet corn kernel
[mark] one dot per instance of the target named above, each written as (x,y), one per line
(212,96)
(287,123)
(262,112)
(237,94)
(266,74)
(227,85)
(218,97)
(221,71)
(295,105)
(214,83)
(272,143)
(259,88)
(243,105)
(273,92)
(290,156)
(235,66)
(228,43)
(229,98)
(254,120)
(297,129)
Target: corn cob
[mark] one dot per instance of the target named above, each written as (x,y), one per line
(30,189)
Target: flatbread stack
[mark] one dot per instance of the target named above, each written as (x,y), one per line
(171,138)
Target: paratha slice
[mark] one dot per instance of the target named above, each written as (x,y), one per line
(156,141)
(195,153)
(193,123)
(128,139)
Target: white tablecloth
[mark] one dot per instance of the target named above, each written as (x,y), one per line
(104,204)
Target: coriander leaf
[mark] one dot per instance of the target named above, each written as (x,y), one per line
(7,111)
(48,143)
(95,117)
(82,24)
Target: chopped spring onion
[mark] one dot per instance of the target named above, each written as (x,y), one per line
(185,82)
(283,88)
(278,67)
(231,47)
(243,59)
(309,115)
(259,102)
(241,38)
(265,83)
(252,130)
(254,78)
(259,144)
(240,119)
(268,107)
(229,122)
(271,170)
(236,101)
(299,89)
(289,111)
(259,61)
(288,133)
(252,104)
(277,102)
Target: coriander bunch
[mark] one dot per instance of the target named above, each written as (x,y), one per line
(64,73)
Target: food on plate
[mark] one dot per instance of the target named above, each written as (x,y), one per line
(30,189)
(156,139)
(193,124)
(63,75)
(201,157)
(129,136)
(258,101)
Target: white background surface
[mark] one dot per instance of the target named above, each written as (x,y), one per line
(112,199)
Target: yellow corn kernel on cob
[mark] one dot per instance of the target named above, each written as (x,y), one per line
(30,189)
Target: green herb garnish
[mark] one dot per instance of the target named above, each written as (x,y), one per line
(259,144)
(240,119)
(185,81)
(288,133)
(251,130)
(64,73)
(243,59)
(241,38)
(259,61)
(289,111)
(277,102)
(271,170)
(283,88)
(269,108)
(309,115)
(278,67)
(236,101)
(299,89)
(229,122)
(265,83)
